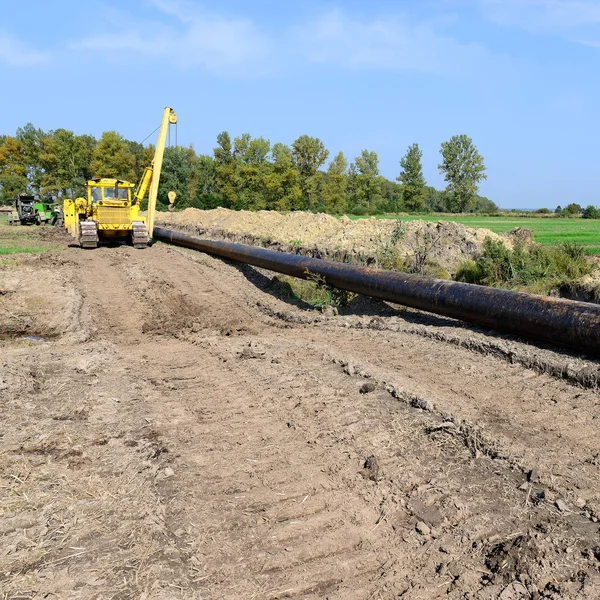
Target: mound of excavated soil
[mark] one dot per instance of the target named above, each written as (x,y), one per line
(369,241)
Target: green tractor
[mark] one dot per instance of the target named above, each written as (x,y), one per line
(31,211)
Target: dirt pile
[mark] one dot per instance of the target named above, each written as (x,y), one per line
(443,245)
(585,289)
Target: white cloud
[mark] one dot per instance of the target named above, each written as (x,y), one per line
(196,39)
(188,37)
(391,43)
(551,16)
(15,53)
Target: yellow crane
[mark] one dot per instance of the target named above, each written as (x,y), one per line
(111,207)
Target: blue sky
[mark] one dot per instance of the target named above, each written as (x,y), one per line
(521,77)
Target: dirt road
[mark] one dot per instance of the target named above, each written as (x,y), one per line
(171,429)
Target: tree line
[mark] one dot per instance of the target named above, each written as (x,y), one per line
(245,173)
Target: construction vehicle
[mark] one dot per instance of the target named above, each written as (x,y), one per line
(30,211)
(111,209)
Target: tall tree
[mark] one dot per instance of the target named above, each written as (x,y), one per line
(368,181)
(250,157)
(224,150)
(463,168)
(225,171)
(142,157)
(309,155)
(392,195)
(112,158)
(282,183)
(436,200)
(203,183)
(13,168)
(31,139)
(334,185)
(175,175)
(413,181)
(251,151)
(66,160)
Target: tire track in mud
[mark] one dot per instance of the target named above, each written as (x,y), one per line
(535,421)
(309,332)
(531,420)
(285,451)
(113,307)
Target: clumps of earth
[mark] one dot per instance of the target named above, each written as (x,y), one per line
(436,249)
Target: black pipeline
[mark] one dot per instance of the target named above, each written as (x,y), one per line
(553,320)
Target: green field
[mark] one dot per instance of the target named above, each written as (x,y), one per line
(22,239)
(547,230)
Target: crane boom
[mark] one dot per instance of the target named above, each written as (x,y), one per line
(169,117)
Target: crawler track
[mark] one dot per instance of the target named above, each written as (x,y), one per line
(88,234)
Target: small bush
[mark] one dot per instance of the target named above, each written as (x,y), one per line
(470,272)
(325,294)
(536,267)
(433,269)
(591,212)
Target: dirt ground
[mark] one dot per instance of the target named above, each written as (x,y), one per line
(171,429)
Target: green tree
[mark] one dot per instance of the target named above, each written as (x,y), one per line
(142,157)
(334,185)
(391,193)
(11,186)
(251,169)
(66,161)
(224,151)
(572,209)
(485,205)
(31,140)
(413,181)
(203,183)
(463,168)
(309,155)
(591,212)
(251,151)
(175,175)
(113,158)
(368,183)
(13,168)
(12,157)
(225,169)
(282,182)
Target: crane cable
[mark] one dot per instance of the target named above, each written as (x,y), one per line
(171,205)
(142,142)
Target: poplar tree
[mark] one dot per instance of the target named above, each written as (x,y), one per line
(334,185)
(309,154)
(463,168)
(412,179)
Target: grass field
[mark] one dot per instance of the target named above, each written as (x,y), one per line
(18,240)
(545,230)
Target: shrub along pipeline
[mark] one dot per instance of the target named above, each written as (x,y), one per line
(555,321)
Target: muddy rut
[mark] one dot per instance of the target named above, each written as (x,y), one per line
(172,429)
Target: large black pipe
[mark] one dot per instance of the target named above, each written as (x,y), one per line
(553,320)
